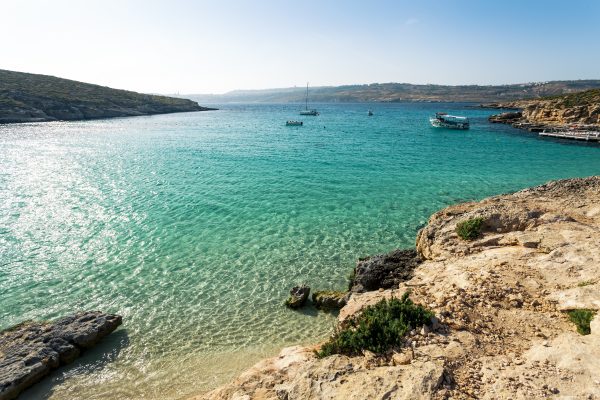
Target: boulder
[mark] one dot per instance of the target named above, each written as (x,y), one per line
(384,271)
(298,296)
(330,299)
(506,118)
(29,351)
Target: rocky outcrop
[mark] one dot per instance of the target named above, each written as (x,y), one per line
(582,108)
(500,301)
(330,299)
(35,98)
(384,271)
(29,351)
(298,296)
(297,374)
(507,117)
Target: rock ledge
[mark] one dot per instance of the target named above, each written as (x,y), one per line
(30,350)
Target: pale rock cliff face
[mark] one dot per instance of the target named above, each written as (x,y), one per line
(500,300)
(578,108)
(553,112)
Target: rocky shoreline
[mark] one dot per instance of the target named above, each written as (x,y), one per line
(503,303)
(577,112)
(31,350)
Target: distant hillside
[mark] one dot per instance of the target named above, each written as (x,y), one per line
(575,108)
(396,92)
(32,98)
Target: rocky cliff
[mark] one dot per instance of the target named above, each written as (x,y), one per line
(502,301)
(34,98)
(577,108)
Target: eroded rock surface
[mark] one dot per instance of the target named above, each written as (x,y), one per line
(581,108)
(29,351)
(384,271)
(298,296)
(330,300)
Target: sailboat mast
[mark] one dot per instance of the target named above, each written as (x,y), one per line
(306,106)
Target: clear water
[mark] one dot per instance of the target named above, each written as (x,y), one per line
(194,226)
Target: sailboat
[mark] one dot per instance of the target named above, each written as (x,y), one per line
(306,110)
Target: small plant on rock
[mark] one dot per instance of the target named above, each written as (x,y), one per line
(469,229)
(581,319)
(378,328)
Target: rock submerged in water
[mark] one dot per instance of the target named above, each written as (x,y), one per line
(298,296)
(384,271)
(330,299)
(30,350)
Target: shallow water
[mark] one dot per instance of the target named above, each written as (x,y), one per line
(194,226)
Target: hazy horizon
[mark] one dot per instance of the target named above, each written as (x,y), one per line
(202,47)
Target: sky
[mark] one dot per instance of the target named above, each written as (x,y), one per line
(188,47)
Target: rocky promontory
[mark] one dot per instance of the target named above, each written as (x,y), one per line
(36,98)
(29,351)
(557,112)
(513,301)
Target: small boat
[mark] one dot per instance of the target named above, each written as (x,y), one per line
(294,123)
(306,111)
(370,113)
(443,120)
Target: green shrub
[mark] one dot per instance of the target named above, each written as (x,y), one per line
(378,328)
(469,229)
(582,319)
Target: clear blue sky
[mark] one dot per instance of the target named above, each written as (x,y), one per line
(215,46)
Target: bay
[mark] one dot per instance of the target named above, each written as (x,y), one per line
(194,226)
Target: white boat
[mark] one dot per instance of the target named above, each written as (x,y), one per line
(443,120)
(306,111)
(294,123)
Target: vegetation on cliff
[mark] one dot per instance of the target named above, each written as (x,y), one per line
(582,320)
(469,229)
(31,98)
(378,328)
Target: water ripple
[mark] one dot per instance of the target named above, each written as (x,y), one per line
(194,226)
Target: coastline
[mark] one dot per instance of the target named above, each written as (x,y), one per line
(573,116)
(28,120)
(26,97)
(502,300)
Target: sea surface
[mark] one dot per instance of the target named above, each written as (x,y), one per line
(194,226)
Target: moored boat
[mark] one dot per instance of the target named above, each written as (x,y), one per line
(370,113)
(444,120)
(306,111)
(294,123)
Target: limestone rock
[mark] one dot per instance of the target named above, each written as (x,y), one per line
(564,112)
(298,296)
(29,351)
(330,299)
(384,271)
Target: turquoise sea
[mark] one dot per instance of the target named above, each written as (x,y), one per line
(194,226)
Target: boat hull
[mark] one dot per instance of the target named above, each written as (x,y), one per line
(436,123)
